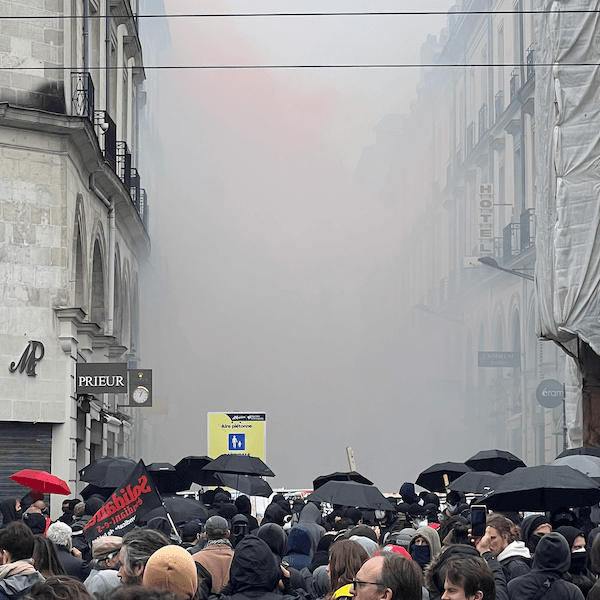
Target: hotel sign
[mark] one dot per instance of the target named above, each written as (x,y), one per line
(101,378)
(485,219)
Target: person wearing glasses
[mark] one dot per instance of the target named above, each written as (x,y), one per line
(388,576)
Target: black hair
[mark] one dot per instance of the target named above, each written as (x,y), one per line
(59,587)
(17,539)
(473,574)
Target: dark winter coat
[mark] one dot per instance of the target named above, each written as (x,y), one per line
(298,548)
(244,506)
(550,562)
(17,586)
(310,519)
(73,566)
(8,510)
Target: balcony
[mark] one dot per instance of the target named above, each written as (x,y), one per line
(498,105)
(106,132)
(510,242)
(482,120)
(470,144)
(134,188)
(514,84)
(82,98)
(527,224)
(143,209)
(123,163)
(530,63)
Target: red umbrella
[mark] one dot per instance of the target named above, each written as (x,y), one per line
(40,481)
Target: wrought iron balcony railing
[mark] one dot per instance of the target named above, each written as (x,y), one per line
(530,63)
(470,142)
(483,120)
(134,188)
(82,97)
(123,163)
(527,222)
(106,131)
(510,242)
(498,105)
(143,210)
(514,84)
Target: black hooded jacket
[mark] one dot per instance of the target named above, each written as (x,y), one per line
(8,510)
(254,572)
(551,561)
(244,507)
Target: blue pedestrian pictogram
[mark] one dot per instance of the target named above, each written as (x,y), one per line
(237,441)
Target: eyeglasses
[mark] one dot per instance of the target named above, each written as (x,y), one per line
(356,584)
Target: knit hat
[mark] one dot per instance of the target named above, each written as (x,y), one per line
(106,545)
(172,568)
(216,527)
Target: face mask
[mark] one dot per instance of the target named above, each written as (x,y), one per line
(421,555)
(534,540)
(380,515)
(578,561)
(452,508)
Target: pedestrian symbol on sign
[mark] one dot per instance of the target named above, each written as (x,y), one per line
(237,441)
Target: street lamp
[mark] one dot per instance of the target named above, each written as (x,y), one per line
(488,261)
(441,316)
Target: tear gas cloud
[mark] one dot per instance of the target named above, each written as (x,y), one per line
(274,278)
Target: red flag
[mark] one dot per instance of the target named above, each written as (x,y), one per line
(131,500)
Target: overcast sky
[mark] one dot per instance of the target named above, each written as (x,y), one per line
(268,258)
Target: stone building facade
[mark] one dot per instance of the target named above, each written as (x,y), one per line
(463,164)
(73,229)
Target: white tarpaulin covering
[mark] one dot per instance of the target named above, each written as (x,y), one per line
(567,129)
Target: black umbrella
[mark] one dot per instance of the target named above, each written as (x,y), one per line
(587,464)
(181,510)
(542,488)
(497,461)
(90,489)
(475,482)
(190,471)
(166,478)
(585,450)
(107,472)
(351,493)
(252,485)
(239,464)
(432,479)
(340,476)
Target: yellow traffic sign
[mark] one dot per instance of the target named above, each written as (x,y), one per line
(237,433)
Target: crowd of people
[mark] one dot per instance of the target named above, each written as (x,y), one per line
(425,548)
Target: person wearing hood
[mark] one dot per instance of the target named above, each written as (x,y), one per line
(298,548)
(255,572)
(424,546)
(594,593)
(533,529)
(274,514)
(219,500)
(551,561)
(244,507)
(578,572)
(509,551)
(276,538)
(407,491)
(310,519)
(11,510)
(239,529)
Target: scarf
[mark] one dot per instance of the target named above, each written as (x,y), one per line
(219,542)
(20,567)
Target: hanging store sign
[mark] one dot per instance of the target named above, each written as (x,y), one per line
(101,378)
(140,388)
(499,359)
(485,219)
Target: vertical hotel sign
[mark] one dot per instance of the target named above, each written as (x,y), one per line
(485,219)
(237,433)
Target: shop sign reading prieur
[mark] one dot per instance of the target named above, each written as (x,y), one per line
(115,378)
